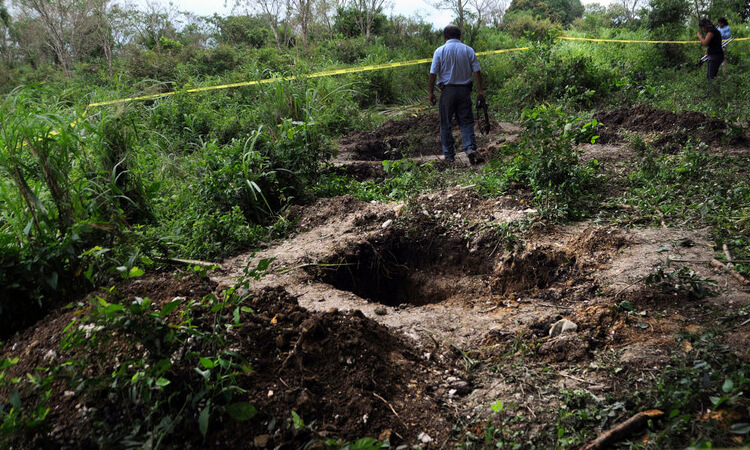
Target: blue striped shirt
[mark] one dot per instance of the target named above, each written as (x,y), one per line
(454,63)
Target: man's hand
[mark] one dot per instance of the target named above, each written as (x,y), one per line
(433,99)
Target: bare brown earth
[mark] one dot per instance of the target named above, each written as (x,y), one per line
(402,320)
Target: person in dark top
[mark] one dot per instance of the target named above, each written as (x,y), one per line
(711,39)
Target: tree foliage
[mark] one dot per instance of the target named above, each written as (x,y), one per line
(558,11)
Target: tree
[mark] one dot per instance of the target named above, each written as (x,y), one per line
(667,14)
(154,23)
(326,10)
(242,30)
(302,13)
(488,11)
(631,8)
(457,7)
(665,20)
(5,24)
(275,12)
(368,11)
(350,23)
(70,27)
(558,11)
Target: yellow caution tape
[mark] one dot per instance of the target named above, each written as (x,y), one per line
(626,41)
(361,69)
(326,73)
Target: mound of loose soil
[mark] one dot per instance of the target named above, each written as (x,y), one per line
(671,130)
(395,139)
(346,373)
(341,371)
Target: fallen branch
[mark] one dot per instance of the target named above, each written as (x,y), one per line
(737,276)
(633,425)
(726,252)
(733,261)
(186,262)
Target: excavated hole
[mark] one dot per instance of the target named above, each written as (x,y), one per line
(395,270)
(534,270)
(381,150)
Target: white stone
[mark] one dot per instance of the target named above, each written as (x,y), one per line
(561,326)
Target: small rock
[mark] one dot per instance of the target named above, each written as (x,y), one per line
(262,440)
(385,435)
(387,223)
(460,387)
(381,311)
(424,438)
(562,326)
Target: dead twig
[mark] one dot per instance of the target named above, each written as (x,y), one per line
(389,405)
(633,425)
(742,324)
(580,380)
(490,310)
(293,351)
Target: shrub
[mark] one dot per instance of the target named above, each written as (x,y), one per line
(523,24)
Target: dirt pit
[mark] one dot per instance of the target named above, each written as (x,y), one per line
(409,322)
(416,137)
(394,270)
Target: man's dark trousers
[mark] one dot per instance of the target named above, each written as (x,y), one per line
(456,100)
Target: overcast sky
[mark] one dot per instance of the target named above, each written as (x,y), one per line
(406,8)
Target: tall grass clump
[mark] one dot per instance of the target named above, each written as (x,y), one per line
(61,194)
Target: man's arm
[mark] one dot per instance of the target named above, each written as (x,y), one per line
(431,87)
(478,80)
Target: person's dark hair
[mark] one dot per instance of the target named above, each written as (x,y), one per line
(722,21)
(452,32)
(705,23)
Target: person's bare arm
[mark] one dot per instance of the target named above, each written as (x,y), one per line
(705,39)
(478,81)
(431,88)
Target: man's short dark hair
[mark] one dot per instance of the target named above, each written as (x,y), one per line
(452,32)
(705,23)
(722,21)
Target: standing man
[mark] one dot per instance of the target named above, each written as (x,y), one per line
(452,67)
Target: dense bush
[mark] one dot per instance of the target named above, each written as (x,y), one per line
(524,24)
